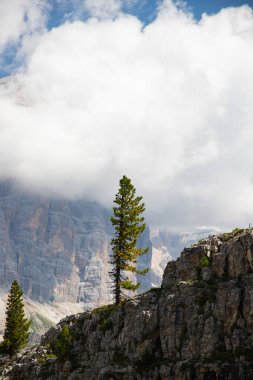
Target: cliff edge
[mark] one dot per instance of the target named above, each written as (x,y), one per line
(198,325)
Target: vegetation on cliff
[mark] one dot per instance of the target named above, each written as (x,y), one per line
(62,347)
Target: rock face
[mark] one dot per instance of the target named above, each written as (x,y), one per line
(198,325)
(58,250)
(167,245)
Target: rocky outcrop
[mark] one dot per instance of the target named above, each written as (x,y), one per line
(167,245)
(198,325)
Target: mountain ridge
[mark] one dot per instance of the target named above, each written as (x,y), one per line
(198,325)
(58,250)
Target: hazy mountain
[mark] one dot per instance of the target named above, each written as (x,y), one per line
(58,250)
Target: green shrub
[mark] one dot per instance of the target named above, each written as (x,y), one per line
(62,347)
(204,261)
(229,235)
(191,281)
(105,324)
(44,358)
(106,310)
(237,231)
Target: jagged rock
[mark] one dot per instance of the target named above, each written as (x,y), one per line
(197,326)
(167,245)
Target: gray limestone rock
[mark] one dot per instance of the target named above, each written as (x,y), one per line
(197,326)
(59,250)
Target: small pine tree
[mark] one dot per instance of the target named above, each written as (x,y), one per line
(128,226)
(62,347)
(16,332)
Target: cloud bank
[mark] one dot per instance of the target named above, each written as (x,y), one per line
(169,104)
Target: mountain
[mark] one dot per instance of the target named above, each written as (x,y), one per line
(59,250)
(198,325)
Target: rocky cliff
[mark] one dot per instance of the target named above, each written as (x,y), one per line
(167,245)
(198,325)
(58,250)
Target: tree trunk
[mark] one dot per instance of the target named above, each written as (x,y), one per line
(117,282)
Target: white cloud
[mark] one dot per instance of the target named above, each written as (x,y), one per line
(103,8)
(20,23)
(170,105)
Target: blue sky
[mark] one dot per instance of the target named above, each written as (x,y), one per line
(213,6)
(61,11)
(146,9)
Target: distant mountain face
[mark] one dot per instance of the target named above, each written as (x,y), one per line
(58,250)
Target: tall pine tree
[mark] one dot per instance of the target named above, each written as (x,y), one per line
(128,224)
(16,332)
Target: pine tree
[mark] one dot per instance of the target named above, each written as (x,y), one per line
(63,347)
(16,332)
(128,226)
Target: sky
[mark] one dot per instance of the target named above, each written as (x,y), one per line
(155,90)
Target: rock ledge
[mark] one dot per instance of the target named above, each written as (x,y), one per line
(198,325)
